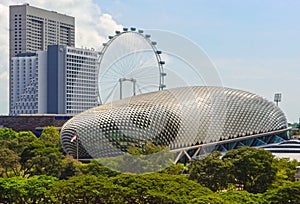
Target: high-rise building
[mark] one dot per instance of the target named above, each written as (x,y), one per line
(61,80)
(32,29)
(71,79)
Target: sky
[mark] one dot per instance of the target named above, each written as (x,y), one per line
(254,45)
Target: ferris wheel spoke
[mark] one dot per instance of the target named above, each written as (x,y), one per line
(112,73)
(128,57)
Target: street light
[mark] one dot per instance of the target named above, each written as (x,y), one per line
(277,98)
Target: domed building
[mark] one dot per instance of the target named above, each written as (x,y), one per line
(189,120)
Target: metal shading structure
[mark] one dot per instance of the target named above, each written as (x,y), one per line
(129,64)
(187,120)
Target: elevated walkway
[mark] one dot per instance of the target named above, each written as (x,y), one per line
(186,154)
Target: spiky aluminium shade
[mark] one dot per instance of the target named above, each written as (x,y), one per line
(177,118)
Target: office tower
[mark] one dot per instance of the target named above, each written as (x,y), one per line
(61,80)
(32,29)
(71,79)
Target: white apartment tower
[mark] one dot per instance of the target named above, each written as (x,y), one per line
(61,80)
(32,29)
(28,88)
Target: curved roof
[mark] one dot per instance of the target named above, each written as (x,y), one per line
(176,118)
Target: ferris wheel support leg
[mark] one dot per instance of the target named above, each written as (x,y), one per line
(133,84)
(120,80)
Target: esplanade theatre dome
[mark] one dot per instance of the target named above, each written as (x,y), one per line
(180,118)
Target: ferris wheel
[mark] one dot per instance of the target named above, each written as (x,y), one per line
(129,64)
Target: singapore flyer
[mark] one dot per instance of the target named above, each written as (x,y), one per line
(129,64)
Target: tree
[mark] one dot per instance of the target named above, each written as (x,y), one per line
(237,197)
(289,193)
(70,167)
(7,134)
(86,189)
(51,134)
(253,169)
(286,171)
(23,139)
(12,190)
(7,138)
(211,172)
(158,187)
(35,188)
(209,199)
(9,161)
(39,158)
(149,158)
(96,168)
(174,169)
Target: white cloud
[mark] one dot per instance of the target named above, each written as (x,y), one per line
(91,27)
(4,75)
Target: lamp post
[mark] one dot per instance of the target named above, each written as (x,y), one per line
(277,98)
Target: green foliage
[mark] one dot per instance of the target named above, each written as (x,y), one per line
(175,169)
(26,160)
(7,134)
(237,197)
(209,199)
(51,135)
(39,158)
(22,141)
(95,168)
(289,193)
(212,171)
(9,161)
(177,189)
(69,168)
(254,169)
(21,190)
(149,159)
(286,171)
(124,188)
(248,168)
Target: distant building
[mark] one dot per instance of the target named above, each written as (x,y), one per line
(61,80)
(285,149)
(33,122)
(32,29)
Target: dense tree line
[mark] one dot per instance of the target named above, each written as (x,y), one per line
(36,170)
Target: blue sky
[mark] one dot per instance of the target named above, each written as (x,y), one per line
(254,44)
